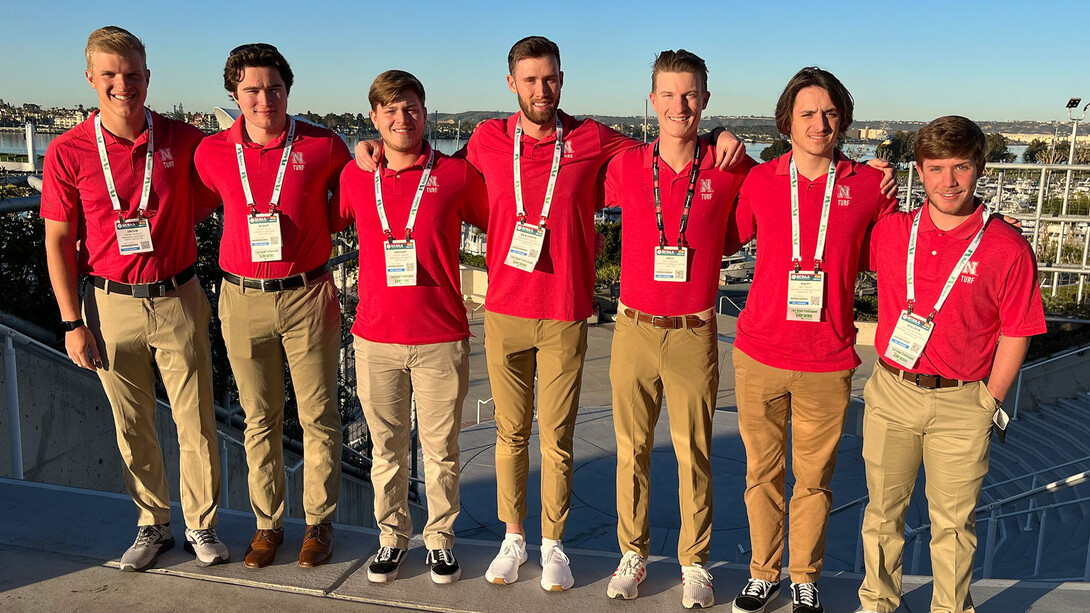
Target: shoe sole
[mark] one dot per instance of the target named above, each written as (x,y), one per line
(555,588)
(382,577)
(771,598)
(500,580)
(697,605)
(446,579)
(188,547)
(620,596)
(166,546)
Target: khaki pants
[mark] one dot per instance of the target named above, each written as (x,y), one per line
(261,329)
(817,403)
(389,377)
(948,430)
(644,361)
(515,347)
(136,335)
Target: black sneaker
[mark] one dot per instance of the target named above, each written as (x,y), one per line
(804,598)
(444,568)
(383,567)
(755,596)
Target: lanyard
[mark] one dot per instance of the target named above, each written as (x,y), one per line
(688,196)
(145,192)
(547,206)
(274,201)
(823,228)
(910,266)
(416,200)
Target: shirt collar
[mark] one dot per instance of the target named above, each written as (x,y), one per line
(235,134)
(566,122)
(110,139)
(845,166)
(966,230)
(707,158)
(420,162)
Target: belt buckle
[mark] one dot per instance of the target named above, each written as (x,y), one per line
(659,321)
(141,291)
(267,285)
(924,385)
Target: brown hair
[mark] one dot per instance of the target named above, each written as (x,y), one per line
(680,61)
(112,39)
(255,55)
(951,136)
(812,76)
(390,84)
(532,47)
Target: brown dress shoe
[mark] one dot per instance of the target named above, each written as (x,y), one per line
(262,549)
(317,545)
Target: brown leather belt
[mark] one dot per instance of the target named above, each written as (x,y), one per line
(276,285)
(664,322)
(931,382)
(144,290)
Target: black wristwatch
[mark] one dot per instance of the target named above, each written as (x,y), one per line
(72,325)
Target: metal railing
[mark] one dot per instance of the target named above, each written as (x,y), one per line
(1025,367)
(1045,207)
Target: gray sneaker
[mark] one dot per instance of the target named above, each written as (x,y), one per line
(150,542)
(206,546)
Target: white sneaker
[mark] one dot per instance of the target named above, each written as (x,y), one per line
(150,542)
(628,576)
(504,568)
(696,587)
(206,546)
(555,567)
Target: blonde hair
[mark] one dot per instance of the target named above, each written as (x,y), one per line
(112,39)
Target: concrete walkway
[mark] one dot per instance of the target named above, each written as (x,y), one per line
(59,549)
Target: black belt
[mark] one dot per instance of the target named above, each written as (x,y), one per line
(276,285)
(666,322)
(144,290)
(931,382)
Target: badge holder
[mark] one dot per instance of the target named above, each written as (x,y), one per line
(266,243)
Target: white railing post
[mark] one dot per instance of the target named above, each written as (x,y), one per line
(989,547)
(14,427)
(1040,544)
(859,539)
(225,466)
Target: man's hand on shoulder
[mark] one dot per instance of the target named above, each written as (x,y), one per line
(729,149)
(889,176)
(368,154)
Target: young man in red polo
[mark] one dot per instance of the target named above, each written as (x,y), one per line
(540,285)
(793,355)
(278,302)
(674,205)
(119,194)
(957,303)
(411,329)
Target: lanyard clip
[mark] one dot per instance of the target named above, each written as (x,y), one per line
(389,236)
(408,235)
(932,315)
(544,219)
(817,265)
(120,217)
(798,265)
(911,305)
(253,210)
(521,218)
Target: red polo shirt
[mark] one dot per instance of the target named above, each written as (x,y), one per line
(995,293)
(307,212)
(432,311)
(629,185)
(562,284)
(74,189)
(764,211)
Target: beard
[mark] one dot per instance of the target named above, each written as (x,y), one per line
(539,117)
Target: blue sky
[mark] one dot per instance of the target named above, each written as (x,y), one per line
(916,60)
